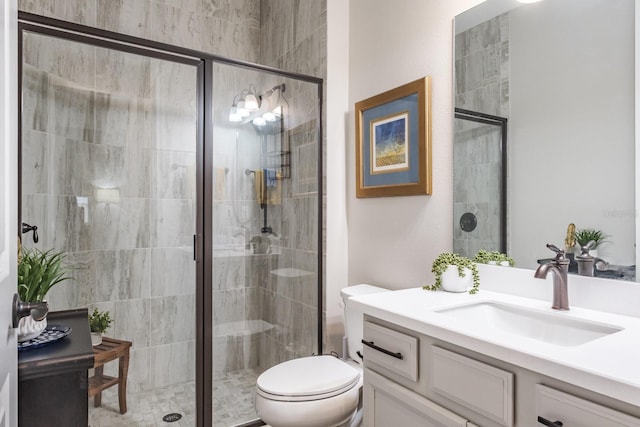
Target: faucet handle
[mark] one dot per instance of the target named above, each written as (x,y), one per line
(555,249)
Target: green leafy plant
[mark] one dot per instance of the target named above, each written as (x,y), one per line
(483,257)
(38,272)
(99,321)
(446,259)
(585,235)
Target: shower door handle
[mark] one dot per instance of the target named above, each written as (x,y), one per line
(195,247)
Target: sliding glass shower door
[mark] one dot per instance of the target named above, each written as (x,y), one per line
(108,171)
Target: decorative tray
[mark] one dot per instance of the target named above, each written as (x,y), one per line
(51,334)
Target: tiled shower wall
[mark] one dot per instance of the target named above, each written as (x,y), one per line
(482,85)
(262,288)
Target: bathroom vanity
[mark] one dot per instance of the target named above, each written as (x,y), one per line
(497,359)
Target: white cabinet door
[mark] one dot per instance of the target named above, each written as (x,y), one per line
(554,405)
(8,209)
(387,404)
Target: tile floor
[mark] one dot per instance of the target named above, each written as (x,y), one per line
(232,404)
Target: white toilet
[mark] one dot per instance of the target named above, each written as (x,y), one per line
(317,391)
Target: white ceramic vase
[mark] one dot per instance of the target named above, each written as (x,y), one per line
(96,338)
(29,328)
(452,282)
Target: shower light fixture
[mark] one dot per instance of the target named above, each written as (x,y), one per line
(261,109)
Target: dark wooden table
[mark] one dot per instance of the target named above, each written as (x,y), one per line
(110,349)
(53,380)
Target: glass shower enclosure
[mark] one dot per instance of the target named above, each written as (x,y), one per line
(184,191)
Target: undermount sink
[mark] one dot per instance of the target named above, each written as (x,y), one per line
(551,328)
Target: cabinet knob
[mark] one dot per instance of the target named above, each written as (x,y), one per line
(546,422)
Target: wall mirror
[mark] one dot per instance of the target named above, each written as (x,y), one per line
(562,74)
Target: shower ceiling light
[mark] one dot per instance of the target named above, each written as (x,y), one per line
(251,103)
(234,116)
(242,110)
(269,116)
(259,121)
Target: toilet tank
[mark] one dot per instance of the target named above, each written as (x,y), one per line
(354,318)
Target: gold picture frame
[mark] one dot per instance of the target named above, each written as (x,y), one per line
(393,142)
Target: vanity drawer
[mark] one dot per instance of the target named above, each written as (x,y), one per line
(391,349)
(482,388)
(554,405)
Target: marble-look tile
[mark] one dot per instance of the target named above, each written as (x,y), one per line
(131,320)
(228,306)
(79,11)
(174,175)
(78,291)
(229,273)
(173,271)
(36,162)
(121,224)
(123,73)
(241,11)
(180,27)
(125,169)
(277,33)
(180,357)
(72,111)
(35,99)
(69,223)
(172,223)
(172,319)
(123,120)
(70,155)
(123,274)
(124,16)
(139,377)
(231,39)
(35,211)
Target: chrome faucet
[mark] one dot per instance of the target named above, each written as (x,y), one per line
(559,267)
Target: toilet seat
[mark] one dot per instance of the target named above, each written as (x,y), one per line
(307,379)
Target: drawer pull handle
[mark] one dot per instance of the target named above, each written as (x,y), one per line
(546,422)
(383,350)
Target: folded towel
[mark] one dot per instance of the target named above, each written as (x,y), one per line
(271,177)
(260,187)
(265,194)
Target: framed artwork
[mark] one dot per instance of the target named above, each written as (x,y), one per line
(393,142)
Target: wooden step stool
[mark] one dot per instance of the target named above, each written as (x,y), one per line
(110,349)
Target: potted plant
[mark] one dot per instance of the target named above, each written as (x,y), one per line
(454,273)
(99,322)
(494,258)
(585,235)
(38,272)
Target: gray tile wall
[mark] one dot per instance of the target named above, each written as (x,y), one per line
(482,84)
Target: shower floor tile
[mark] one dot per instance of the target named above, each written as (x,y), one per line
(233,396)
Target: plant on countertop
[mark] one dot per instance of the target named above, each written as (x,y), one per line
(38,272)
(483,257)
(446,259)
(585,235)
(99,321)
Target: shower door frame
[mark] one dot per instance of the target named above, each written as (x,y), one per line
(203,239)
(489,119)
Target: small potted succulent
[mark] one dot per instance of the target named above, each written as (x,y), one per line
(454,273)
(585,235)
(99,322)
(38,272)
(493,258)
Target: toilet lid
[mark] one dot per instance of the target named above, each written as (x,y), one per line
(307,378)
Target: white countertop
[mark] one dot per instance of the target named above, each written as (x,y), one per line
(608,365)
